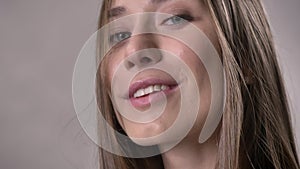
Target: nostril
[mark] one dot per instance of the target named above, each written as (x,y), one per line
(129,64)
(145,60)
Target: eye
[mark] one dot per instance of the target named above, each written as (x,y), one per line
(118,37)
(177,19)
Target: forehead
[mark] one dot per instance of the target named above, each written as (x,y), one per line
(142,5)
(117,8)
(139,2)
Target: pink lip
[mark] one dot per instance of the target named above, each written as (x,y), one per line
(145,100)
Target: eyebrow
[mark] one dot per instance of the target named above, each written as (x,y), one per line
(116,11)
(120,10)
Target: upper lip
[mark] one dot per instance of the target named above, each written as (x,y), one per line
(140,84)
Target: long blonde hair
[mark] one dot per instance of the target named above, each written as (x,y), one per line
(256,131)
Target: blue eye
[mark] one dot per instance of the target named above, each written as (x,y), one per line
(177,19)
(118,37)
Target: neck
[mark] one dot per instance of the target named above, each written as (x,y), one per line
(189,154)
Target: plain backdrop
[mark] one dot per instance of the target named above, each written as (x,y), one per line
(39,43)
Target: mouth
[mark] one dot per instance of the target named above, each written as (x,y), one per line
(143,92)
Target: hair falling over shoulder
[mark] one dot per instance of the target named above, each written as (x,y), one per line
(256,131)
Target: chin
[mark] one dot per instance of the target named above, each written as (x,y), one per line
(155,140)
(148,134)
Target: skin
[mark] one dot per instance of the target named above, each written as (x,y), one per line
(188,154)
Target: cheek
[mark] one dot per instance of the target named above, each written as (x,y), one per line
(112,63)
(203,81)
(208,28)
(199,71)
(196,66)
(187,56)
(204,87)
(191,60)
(214,39)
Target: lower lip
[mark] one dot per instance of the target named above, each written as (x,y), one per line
(145,101)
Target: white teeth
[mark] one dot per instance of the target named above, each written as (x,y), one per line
(149,90)
(163,87)
(157,88)
(139,93)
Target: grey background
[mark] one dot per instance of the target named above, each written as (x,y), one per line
(39,43)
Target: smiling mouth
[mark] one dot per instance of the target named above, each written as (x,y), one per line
(149,90)
(143,92)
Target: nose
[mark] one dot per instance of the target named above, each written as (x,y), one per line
(141,51)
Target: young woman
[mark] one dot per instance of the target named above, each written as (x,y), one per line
(255,129)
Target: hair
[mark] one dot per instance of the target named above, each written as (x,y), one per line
(256,130)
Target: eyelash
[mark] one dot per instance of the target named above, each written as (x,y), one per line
(185,18)
(113,38)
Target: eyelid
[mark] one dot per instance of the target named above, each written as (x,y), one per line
(175,9)
(116,29)
(115,35)
(185,16)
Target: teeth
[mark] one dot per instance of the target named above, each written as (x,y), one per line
(157,88)
(139,93)
(149,90)
(163,87)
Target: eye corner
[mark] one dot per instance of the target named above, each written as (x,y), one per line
(118,37)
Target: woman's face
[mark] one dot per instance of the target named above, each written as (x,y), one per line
(148,85)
